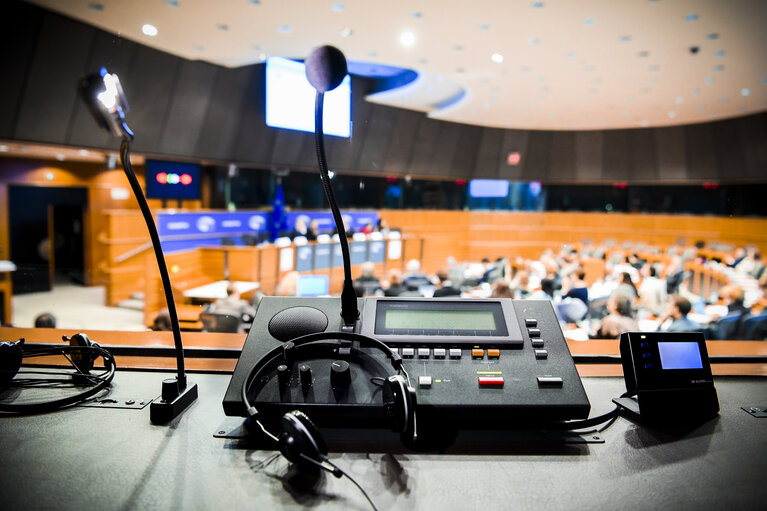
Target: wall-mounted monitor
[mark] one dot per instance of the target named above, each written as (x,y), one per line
(172,180)
(479,188)
(312,285)
(290,100)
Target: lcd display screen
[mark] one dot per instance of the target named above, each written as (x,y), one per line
(312,285)
(440,320)
(290,100)
(680,355)
(488,188)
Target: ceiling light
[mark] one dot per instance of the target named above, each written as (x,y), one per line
(484,26)
(497,57)
(764,81)
(709,80)
(725,101)
(719,68)
(533,41)
(655,67)
(589,21)
(83,152)
(199,47)
(458,47)
(337,7)
(284,29)
(644,53)
(171,3)
(719,53)
(699,108)
(416,14)
(149,30)
(60,157)
(407,38)
(644,123)
(679,100)
(537,5)
(570,54)
(625,38)
(222,26)
(347,32)
(695,90)
(691,17)
(672,114)
(712,36)
(262,57)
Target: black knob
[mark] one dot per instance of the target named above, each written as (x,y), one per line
(283,375)
(305,372)
(340,374)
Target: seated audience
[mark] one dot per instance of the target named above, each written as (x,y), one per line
(677,309)
(502,289)
(299,229)
(445,286)
(626,284)
(620,318)
(235,306)
(521,285)
(367,282)
(162,321)
(312,231)
(45,320)
(414,277)
(674,275)
(652,290)
(395,284)
(575,286)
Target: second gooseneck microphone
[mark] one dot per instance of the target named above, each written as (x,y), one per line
(325,70)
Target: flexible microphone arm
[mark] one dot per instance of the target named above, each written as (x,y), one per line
(177,395)
(349,311)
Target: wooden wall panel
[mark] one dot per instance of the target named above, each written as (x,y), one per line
(672,163)
(701,153)
(489,154)
(426,141)
(562,164)
(588,155)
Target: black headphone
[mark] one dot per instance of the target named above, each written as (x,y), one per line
(299,439)
(81,353)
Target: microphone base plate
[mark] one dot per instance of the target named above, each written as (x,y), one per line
(162,412)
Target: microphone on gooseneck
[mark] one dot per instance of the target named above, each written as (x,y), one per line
(325,70)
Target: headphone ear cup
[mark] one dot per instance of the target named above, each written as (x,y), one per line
(399,403)
(300,436)
(83,360)
(11,354)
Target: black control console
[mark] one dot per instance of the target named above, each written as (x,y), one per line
(474,364)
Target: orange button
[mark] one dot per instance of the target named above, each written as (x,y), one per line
(494,353)
(476,352)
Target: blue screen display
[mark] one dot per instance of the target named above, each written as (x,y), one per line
(290,100)
(680,355)
(488,188)
(312,285)
(172,180)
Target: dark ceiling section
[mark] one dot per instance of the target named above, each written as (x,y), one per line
(198,111)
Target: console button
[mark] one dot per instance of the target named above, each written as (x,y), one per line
(477,352)
(439,352)
(534,332)
(408,352)
(494,352)
(455,352)
(537,343)
(423,352)
(531,322)
(541,354)
(491,381)
(424,381)
(549,381)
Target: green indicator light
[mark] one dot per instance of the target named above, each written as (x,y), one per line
(489,372)
(476,346)
(437,381)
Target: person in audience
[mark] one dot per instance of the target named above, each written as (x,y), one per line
(414,277)
(733,297)
(455,272)
(623,266)
(368,228)
(758,270)
(575,286)
(502,289)
(733,260)
(367,282)
(313,230)
(347,229)
(652,290)
(45,320)
(674,275)
(760,304)
(288,285)
(383,227)
(677,309)
(521,284)
(395,284)
(299,229)
(162,322)
(626,284)
(747,263)
(234,305)
(445,286)
(620,316)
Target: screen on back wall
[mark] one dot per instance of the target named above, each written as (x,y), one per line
(488,188)
(172,180)
(290,100)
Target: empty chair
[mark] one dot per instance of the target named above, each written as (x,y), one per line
(217,322)
(755,328)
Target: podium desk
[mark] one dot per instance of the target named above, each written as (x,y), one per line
(99,458)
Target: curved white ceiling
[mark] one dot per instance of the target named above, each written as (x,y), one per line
(562,65)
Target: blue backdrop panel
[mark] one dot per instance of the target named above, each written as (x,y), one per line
(377,251)
(322,257)
(304,256)
(358,251)
(357,220)
(208,229)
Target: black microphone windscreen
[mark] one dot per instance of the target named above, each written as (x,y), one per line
(325,68)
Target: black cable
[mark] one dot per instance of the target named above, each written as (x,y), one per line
(588,423)
(139,194)
(349,311)
(49,406)
(350,478)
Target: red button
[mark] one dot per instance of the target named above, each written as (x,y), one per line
(493,381)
